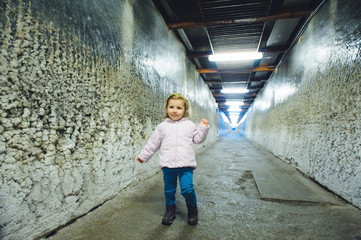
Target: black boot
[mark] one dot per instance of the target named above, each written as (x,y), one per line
(192,215)
(169,215)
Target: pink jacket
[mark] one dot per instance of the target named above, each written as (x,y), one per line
(175,140)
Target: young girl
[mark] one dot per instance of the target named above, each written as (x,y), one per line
(175,137)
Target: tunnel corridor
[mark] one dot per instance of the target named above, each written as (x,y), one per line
(83,86)
(230,204)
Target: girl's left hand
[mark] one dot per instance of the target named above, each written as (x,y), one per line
(204,122)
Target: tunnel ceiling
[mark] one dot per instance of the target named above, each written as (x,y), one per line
(208,27)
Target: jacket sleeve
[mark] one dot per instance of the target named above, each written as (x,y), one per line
(152,145)
(200,134)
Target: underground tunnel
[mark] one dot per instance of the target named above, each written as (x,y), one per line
(83,85)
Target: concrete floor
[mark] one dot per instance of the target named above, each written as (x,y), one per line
(230,204)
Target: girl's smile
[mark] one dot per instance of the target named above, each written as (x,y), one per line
(175,109)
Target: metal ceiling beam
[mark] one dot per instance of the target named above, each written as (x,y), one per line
(246,102)
(199,54)
(225,109)
(234,95)
(256,69)
(275,49)
(235,81)
(251,90)
(245,105)
(268,50)
(192,24)
(215,88)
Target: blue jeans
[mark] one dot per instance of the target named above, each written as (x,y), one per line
(185,182)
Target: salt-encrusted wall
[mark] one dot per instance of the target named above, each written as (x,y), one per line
(82,87)
(309,114)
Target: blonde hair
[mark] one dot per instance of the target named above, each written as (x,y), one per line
(187,105)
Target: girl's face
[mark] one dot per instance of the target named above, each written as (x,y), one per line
(176,109)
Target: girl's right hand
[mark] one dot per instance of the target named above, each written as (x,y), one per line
(140,160)
(204,122)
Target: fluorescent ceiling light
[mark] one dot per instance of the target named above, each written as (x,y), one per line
(233,113)
(235,56)
(234,90)
(235,103)
(234,108)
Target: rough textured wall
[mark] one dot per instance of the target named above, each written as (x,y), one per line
(309,113)
(82,87)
